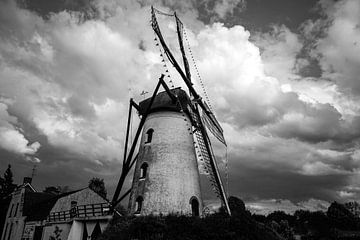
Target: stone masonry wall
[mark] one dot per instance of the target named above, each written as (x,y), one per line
(172,176)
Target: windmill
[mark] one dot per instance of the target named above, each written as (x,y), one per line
(174,134)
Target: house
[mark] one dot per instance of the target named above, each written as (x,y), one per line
(32,215)
(82,214)
(22,200)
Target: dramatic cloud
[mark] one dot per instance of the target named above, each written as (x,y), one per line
(280,48)
(66,78)
(224,7)
(338,50)
(11,135)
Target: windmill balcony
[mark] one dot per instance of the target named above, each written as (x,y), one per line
(80,212)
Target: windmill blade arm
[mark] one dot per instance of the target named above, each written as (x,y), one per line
(134,104)
(216,129)
(127,163)
(170,56)
(209,158)
(179,27)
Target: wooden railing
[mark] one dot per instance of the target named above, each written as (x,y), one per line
(90,210)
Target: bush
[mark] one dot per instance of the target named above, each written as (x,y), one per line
(216,226)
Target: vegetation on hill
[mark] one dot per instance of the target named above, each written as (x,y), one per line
(337,223)
(239,226)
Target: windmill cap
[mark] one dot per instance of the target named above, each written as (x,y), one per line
(163,102)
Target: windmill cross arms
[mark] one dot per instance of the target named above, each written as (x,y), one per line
(212,122)
(179,27)
(170,56)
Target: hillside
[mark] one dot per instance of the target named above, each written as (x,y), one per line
(240,226)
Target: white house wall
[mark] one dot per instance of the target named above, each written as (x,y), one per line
(50,231)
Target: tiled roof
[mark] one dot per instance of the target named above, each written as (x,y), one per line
(37,206)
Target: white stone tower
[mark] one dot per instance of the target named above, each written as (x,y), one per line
(166,177)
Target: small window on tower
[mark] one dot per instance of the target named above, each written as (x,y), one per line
(138,206)
(143,170)
(149,135)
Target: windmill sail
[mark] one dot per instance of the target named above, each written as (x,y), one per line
(212,124)
(207,157)
(199,121)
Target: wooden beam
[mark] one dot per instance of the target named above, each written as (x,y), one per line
(126,166)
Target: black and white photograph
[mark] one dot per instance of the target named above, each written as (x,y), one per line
(187,119)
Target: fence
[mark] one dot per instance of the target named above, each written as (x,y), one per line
(90,210)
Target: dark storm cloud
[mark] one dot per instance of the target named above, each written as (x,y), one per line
(59,168)
(275,182)
(65,83)
(44,8)
(79,107)
(262,14)
(313,124)
(267,165)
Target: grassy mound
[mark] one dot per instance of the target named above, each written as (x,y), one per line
(240,226)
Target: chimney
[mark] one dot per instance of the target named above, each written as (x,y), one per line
(27,180)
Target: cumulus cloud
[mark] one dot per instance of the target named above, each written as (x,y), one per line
(338,47)
(280,48)
(70,80)
(12,137)
(224,7)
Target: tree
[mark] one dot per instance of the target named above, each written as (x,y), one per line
(279,216)
(285,230)
(2,182)
(340,217)
(98,186)
(6,188)
(7,183)
(237,206)
(121,209)
(57,190)
(52,190)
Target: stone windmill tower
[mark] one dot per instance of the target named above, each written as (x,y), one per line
(173,129)
(166,177)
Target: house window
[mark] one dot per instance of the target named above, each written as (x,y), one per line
(194,207)
(143,170)
(138,206)
(149,135)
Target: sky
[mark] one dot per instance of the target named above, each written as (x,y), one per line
(281,76)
